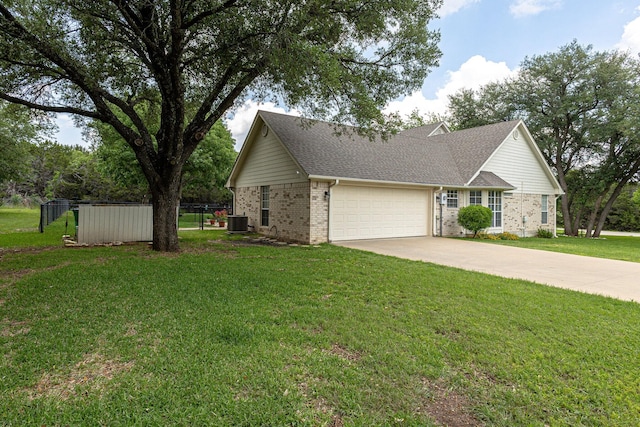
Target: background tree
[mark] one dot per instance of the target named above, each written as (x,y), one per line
(82,179)
(46,158)
(580,106)
(18,129)
(205,173)
(207,170)
(340,60)
(625,213)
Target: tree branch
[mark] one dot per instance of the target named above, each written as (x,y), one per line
(207,13)
(50,108)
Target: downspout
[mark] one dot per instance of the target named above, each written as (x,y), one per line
(328,196)
(523,218)
(555,215)
(233,198)
(438,201)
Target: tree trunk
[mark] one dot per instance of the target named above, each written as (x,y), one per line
(166,201)
(577,220)
(607,208)
(566,216)
(593,216)
(569,230)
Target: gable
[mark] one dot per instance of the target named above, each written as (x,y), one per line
(518,162)
(265,161)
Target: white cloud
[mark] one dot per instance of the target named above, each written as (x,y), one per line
(532,7)
(630,37)
(477,71)
(450,7)
(68,133)
(240,120)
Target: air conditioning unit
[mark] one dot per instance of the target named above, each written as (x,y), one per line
(237,224)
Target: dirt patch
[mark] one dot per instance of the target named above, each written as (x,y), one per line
(447,407)
(320,404)
(92,372)
(14,275)
(11,329)
(344,353)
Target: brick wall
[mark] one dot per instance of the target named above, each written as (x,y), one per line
(290,211)
(529,205)
(450,226)
(319,220)
(514,207)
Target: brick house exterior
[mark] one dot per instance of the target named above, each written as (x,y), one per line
(301,181)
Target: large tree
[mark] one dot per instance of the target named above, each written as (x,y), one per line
(204,174)
(18,129)
(340,60)
(581,107)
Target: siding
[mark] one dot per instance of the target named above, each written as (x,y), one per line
(108,224)
(516,163)
(268,163)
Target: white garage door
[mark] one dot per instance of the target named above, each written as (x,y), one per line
(374,213)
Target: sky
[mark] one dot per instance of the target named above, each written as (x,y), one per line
(481,41)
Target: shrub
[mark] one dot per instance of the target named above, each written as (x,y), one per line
(16,200)
(475,218)
(544,234)
(486,236)
(507,236)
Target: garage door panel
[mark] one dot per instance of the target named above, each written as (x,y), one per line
(371,212)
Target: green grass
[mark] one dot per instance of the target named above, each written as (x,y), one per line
(192,220)
(613,247)
(19,228)
(231,334)
(14,220)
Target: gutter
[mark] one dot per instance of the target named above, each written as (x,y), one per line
(328,197)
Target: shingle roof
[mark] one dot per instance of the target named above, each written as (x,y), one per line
(490,180)
(450,159)
(423,131)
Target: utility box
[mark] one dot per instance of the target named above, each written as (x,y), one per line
(237,224)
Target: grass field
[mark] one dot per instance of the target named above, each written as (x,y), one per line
(612,247)
(20,228)
(228,333)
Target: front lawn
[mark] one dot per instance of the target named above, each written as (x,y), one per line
(234,334)
(613,247)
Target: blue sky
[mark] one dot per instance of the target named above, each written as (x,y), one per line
(483,41)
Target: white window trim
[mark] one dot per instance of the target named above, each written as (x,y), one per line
(495,195)
(544,220)
(475,204)
(451,199)
(264,205)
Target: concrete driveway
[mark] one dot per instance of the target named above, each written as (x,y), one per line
(618,279)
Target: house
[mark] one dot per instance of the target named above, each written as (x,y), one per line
(310,181)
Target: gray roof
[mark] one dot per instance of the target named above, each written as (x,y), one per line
(423,131)
(490,180)
(450,159)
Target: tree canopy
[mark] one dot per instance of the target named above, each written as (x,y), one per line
(340,60)
(581,107)
(18,128)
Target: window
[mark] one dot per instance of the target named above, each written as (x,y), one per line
(264,205)
(475,198)
(495,204)
(545,209)
(452,198)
